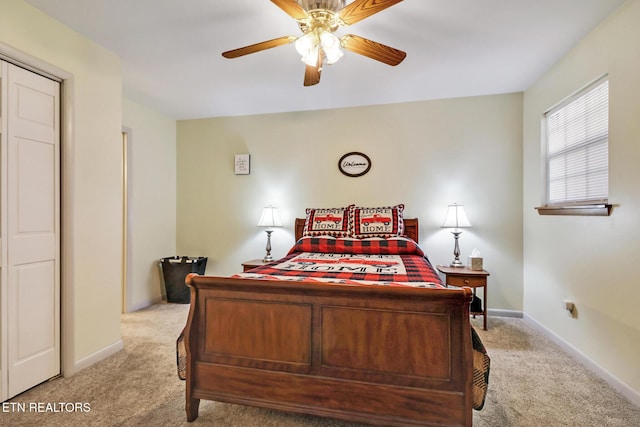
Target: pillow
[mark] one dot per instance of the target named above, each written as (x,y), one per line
(334,222)
(377,222)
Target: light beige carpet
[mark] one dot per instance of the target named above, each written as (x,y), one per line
(532,383)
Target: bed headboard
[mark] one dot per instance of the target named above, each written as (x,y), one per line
(410,228)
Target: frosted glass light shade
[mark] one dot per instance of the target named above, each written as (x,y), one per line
(331,47)
(309,44)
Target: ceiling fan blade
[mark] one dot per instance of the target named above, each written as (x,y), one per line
(291,8)
(361,9)
(312,73)
(311,76)
(373,50)
(235,53)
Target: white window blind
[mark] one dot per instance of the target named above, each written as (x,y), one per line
(578,148)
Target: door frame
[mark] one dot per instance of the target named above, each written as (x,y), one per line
(67,228)
(127,250)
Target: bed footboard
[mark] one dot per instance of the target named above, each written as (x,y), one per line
(381,355)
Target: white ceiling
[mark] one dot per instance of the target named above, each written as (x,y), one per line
(171,51)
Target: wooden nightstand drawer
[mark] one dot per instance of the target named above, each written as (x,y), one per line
(468,281)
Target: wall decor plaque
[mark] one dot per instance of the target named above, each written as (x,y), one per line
(242,164)
(354,164)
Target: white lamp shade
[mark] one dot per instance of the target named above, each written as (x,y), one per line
(456,217)
(269,217)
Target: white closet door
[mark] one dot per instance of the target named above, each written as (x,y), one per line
(33,230)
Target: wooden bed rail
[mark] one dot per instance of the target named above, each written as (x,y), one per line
(392,356)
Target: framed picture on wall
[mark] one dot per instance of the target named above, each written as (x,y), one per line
(242,164)
(354,164)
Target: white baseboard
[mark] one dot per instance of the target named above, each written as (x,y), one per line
(145,304)
(504,313)
(613,381)
(96,357)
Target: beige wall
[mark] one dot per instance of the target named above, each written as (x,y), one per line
(590,260)
(91,176)
(424,154)
(152,200)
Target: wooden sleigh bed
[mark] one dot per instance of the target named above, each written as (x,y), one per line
(383,355)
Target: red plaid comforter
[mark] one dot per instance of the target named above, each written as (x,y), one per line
(391,262)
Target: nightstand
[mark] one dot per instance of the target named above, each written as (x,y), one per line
(465,277)
(248,265)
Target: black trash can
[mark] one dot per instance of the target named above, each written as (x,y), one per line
(175,270)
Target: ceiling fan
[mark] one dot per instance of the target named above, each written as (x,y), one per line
(318,20)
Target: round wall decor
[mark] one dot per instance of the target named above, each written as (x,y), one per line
(354,164)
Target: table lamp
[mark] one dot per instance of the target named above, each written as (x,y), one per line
(456,219)
(269,219)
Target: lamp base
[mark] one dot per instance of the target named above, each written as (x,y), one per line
(268,257)
(456,263)
(456,250)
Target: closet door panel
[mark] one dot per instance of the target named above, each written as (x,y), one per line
(33,230)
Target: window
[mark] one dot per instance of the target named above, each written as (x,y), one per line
(577,155)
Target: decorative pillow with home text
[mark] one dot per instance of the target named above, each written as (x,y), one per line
(384,222)
(334,222)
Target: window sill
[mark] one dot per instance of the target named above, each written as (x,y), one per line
(584,210)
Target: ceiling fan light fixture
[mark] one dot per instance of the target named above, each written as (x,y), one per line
(307,43)
(331,47)
(333,55)
(307,46)
(311,58)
